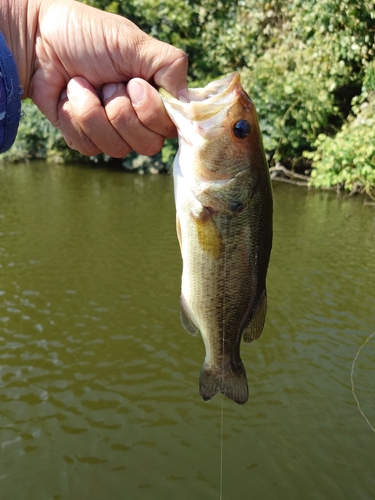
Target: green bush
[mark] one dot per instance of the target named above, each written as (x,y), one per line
(294,105)
(347,160)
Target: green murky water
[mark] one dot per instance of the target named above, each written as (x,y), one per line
(99,382)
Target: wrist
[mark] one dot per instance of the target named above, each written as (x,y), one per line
(18,24)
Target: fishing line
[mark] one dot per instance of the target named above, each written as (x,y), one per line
(221,446)
(352,380)
(222,369)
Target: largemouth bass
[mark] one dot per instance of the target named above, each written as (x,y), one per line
(223,202)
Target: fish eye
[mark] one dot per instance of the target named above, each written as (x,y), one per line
(241,129)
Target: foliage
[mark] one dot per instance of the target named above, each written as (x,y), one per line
(347,160)
(303,85)
(305,63)
(294,105)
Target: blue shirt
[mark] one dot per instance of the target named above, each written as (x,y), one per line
(10,97)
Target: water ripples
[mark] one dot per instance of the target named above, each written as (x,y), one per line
(99,382)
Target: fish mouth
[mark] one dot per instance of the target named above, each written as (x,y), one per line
(210,102)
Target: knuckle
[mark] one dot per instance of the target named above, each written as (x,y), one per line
(119,150)
(120,117)
(68,141)
(87,147)
(170,131)
(147,118)
(86,117)
(179,60)
(152,146)
(182,58)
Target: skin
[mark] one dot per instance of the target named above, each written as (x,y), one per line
(92,74)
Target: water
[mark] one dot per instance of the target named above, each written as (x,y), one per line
(99,382)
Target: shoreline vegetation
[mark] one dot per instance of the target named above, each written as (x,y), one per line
(308,65)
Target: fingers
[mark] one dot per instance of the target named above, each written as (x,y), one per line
(84,124)
(149,108)
(126,118)
(122,116)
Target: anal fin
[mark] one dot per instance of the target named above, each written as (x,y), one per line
(257,318)
(186,320)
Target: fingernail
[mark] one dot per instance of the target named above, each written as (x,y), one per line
(183,95)
(135,92)
(75,90)
(108,90)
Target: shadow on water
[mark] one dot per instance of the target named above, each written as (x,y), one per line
(99,382)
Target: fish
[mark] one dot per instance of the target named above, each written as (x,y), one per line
(223,198)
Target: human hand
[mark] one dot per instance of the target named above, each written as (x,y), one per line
(92,74)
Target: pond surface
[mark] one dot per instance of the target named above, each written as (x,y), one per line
(99,381)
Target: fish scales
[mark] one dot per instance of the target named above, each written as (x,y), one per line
(224,224)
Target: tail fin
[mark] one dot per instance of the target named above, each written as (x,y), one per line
(232,383)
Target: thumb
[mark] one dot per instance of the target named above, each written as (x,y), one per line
(166,65)
(172,75)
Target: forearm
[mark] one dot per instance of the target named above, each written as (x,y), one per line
(18,24)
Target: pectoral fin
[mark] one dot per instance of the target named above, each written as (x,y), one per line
(186,320)
(209,236)
(256,319)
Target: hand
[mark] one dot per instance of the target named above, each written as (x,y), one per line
(92,73)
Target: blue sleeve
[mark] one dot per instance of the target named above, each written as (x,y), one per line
(10,97)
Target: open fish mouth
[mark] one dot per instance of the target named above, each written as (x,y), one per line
(207,103)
